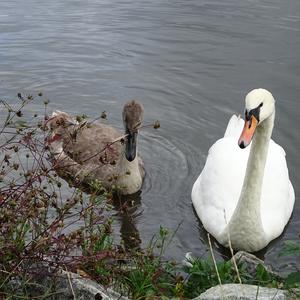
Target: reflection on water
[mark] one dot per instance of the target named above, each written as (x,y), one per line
(189,62)
(127,211)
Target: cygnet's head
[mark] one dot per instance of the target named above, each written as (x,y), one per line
(259,106)
(132,119)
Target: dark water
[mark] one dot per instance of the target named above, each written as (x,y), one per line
(190,62)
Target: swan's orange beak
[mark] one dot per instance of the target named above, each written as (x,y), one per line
(248,132)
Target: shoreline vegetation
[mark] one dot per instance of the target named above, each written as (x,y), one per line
(48,226)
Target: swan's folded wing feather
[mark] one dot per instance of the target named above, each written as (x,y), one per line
(86,151)
(217,189)
(92,144)
(278,195)
(234,127)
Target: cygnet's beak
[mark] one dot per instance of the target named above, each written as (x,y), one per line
(248,132)
(130,145)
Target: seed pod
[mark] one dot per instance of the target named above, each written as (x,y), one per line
(103,115)
(156,124)
(19,113)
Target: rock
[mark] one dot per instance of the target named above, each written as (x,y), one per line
(251,262)
(242,292)
(85,289)
(69,285)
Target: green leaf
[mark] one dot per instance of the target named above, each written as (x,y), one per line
(262,274)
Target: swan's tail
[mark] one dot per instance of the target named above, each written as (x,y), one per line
(234,127)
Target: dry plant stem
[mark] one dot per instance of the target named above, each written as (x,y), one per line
(146,126)
(257,291)
(14,112)
(54,222)
(213,258)
(8,276)
(232,253)
(233,259)
(215,264)
(70,283)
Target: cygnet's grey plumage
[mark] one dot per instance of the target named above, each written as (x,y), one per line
(84,152)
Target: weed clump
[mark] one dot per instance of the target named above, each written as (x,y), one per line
(37,232)
(47,226)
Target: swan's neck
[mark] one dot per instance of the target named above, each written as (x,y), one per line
(129,175)
(246,219)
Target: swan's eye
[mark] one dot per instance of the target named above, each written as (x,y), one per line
(260,105)
(253,112)
(247,115)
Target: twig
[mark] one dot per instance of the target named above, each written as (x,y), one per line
(232,253)
(257,291)
(213,258)
(70,283)
(215,264)
(10,273)
(233,259)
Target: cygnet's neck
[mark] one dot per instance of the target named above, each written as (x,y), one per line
(129,175)
(125,165)
(246,223)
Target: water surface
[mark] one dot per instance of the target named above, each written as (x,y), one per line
(190,62)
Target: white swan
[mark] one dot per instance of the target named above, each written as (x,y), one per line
(244,194)
(84,152)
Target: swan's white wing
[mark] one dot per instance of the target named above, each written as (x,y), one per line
(278,195)
(234,127)
(216,191)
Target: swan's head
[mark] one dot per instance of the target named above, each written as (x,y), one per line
(132,119)
(259,106)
